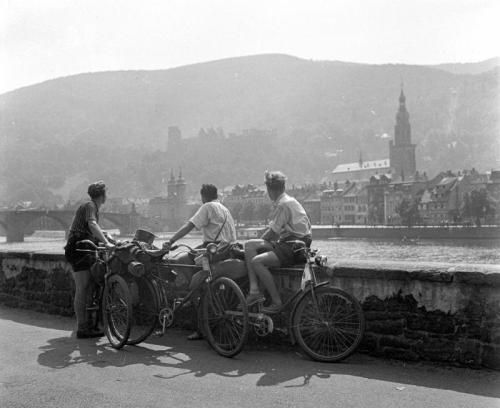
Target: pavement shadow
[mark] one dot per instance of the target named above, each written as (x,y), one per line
(273,363)
(264,361)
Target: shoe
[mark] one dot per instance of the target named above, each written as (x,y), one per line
(272,308)
(254,298)
(195,336)
(89,334)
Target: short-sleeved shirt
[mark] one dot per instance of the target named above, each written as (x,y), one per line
(86,212)
(210,220)
(289,218)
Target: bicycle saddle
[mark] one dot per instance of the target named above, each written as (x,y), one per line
(297,244)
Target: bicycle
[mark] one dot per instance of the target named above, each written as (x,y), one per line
(109,300)
(327,323)
(224,324)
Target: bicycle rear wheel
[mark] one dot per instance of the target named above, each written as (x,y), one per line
(117,311)
(144,310)
(330,328)
(225,322)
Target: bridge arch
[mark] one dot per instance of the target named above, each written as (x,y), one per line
(60,218)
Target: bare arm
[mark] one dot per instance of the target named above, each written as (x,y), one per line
(182,231)
(97,232)
(269,235)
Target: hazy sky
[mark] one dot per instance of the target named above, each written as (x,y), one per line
(44,39)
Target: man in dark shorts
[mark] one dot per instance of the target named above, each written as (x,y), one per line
(85,226)
(275,248)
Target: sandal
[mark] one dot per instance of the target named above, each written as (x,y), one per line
(273,308)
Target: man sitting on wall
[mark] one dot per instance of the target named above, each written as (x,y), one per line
(276,247)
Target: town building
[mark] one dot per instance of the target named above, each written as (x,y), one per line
(401,162)
(360,171)
(396,192)
(375,198)
(170,211)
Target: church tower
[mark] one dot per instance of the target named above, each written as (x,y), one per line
(171,188)
(181,189)
(401,150)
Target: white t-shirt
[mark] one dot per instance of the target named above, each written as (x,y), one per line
(210,220)
(289,218)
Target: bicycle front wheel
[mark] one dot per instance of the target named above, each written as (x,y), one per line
(330,327)
(225,317)
(144,310)
(117,311)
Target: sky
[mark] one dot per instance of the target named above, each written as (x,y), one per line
(41,40)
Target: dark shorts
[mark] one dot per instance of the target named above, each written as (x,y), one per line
(79,261)
(286,252)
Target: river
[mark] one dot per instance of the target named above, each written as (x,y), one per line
(474,251)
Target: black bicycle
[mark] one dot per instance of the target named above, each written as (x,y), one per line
(224,314)
(327,323)
(109,298)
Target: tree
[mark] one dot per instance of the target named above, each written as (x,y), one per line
(263,210)
(408,211)
(480,205)
(236,211)
(247,213)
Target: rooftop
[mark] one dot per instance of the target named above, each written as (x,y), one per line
(366,165)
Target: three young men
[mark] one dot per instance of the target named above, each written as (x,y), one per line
(275,248)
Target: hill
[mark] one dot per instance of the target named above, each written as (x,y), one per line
(113,125)
(472,68)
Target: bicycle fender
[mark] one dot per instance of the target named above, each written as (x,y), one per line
(292,314)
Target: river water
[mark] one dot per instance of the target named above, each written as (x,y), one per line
(451,251)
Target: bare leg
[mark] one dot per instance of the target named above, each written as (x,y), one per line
(260,265)
(252,247)
(82,280)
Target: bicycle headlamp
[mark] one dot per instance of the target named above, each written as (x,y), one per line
(212,248)
(321,260)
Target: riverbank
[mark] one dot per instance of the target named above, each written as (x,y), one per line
(399,232)
(472,251)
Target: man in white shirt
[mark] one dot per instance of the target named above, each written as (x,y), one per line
(212,218)
(275,248)
(217,225)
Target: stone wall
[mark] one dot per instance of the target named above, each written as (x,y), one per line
(414,311)
(41,282)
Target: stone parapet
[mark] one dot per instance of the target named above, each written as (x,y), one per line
(414,311)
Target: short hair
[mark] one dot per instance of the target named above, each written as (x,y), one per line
(275,180)
(96,189)
(209,191)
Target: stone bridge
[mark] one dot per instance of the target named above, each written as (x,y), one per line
(15,222)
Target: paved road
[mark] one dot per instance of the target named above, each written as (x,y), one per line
(43,365)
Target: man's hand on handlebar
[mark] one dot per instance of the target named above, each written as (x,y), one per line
(166,246)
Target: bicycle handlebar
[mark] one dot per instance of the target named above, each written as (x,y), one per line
(91,244)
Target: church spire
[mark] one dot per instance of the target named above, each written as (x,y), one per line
(402,98)
(360,159)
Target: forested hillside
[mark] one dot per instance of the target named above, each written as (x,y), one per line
(58,135)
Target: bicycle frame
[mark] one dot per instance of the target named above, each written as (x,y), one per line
(310,286)
(161,284)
